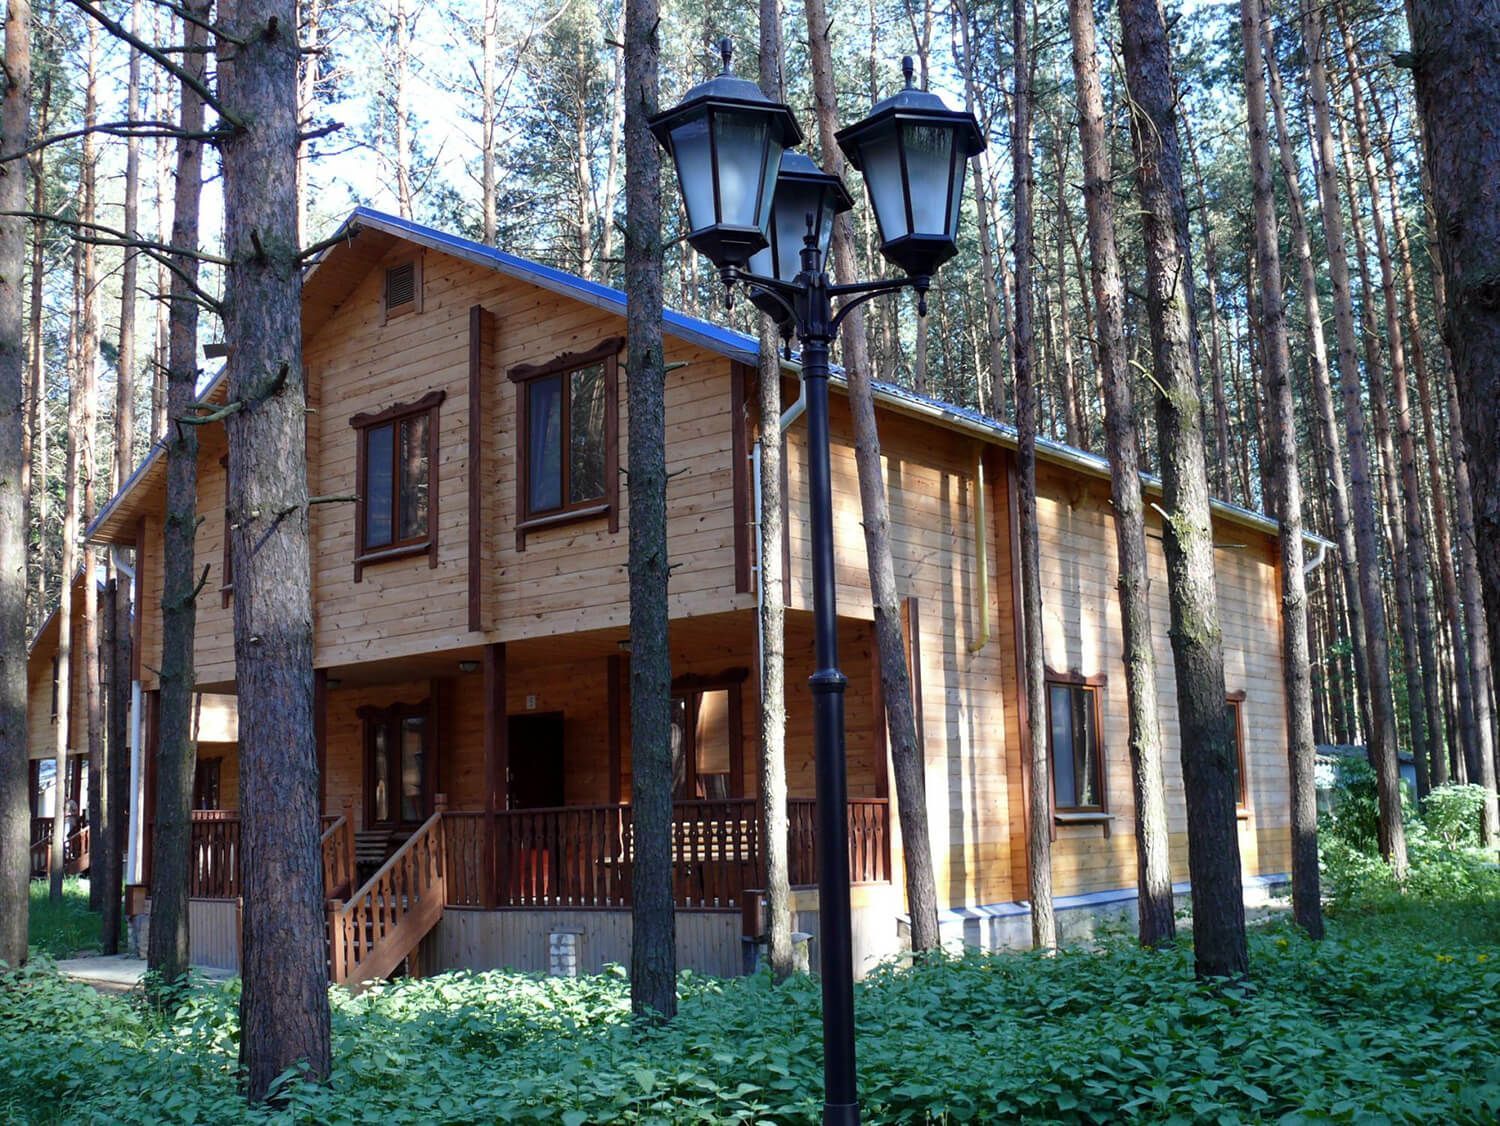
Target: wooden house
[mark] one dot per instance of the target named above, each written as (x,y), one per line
(472,635)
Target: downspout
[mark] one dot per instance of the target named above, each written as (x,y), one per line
(1317,560)
(134,841)
(789,416)
(981,555)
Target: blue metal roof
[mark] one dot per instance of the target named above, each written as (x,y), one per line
(727,341)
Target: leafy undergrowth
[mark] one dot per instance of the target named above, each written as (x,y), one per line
(1365,1026)
(66,928)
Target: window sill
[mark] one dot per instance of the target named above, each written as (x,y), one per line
(571,516)
(1084,817)
(386,554)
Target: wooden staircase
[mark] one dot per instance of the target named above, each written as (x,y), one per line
(374,929)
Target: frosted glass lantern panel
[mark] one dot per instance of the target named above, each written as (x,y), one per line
(882,171)
(695,170)
(929,155)
(747,164)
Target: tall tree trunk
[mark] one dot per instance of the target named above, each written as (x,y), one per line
(62,732)
(176,754)
(908,756)
(284,1004)
(1411,493)
(400,96)
(1307,906)
(15,820)
(1207,744)
(35,488)
(1385,463)
(653,947)
(161,98)
(1456,63)
(1152,843)
(1222,462)
(86,666)
(1073,412)
(106,832)
(612,164)
(1039,827)
(1337,490)
(1382,719)
(995,371)
(773,790)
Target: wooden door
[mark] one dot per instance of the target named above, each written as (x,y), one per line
(536,760)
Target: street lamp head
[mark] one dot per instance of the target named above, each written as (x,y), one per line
(803,191)
(912,150)
(726,139)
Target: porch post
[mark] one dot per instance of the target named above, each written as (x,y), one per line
(613,703)
(496,767)
(320,734)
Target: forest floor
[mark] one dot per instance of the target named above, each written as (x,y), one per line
(64,929)
(1392,1018)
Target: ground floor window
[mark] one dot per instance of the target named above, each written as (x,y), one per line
(396,763)
(707,737)
(1237,761)
(1073,747)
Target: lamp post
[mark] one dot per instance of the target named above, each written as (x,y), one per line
(764,216)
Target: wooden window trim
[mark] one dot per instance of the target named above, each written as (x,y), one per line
(607,351)
(691,687)
(406,307)
(1066,814)
(226,588)
(1236,702)
(427,543)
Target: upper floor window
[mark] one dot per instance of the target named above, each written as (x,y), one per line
(1073,745)
(567,439)
(397,482)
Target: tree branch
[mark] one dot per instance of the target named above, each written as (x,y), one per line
(112,129)
(186,77)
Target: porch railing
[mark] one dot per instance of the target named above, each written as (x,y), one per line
(75,849)
(214,854)
(581,856)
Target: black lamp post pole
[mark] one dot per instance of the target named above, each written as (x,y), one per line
(816,327)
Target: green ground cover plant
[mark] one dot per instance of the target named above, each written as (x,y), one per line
(65,929)
(1395,1017)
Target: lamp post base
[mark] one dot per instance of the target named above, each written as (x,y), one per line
(840,1114)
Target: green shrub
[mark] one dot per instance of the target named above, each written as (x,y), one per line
(1452,814)
(1354,819)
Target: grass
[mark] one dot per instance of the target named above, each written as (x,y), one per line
(64,929)
(1392,1018)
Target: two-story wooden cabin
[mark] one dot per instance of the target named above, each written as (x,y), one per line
(472,634)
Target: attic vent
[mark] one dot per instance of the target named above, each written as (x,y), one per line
(400,287)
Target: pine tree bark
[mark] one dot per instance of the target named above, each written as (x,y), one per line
(117,620)
(15,813)
(773,789)
(1219,945)
(1382,718)
(177,752)
(1307,906)
(908,756)
(37,446)
(62,729)
(1157,925)
(653,947)
(1337,489)
(1455,60)
(1039,826)
(284,1016)
(86,666)
(1222,461)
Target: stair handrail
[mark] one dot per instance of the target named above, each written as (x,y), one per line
(337,846)
(409,888)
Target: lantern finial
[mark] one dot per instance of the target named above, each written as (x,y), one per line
(906,69)
(726,52)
